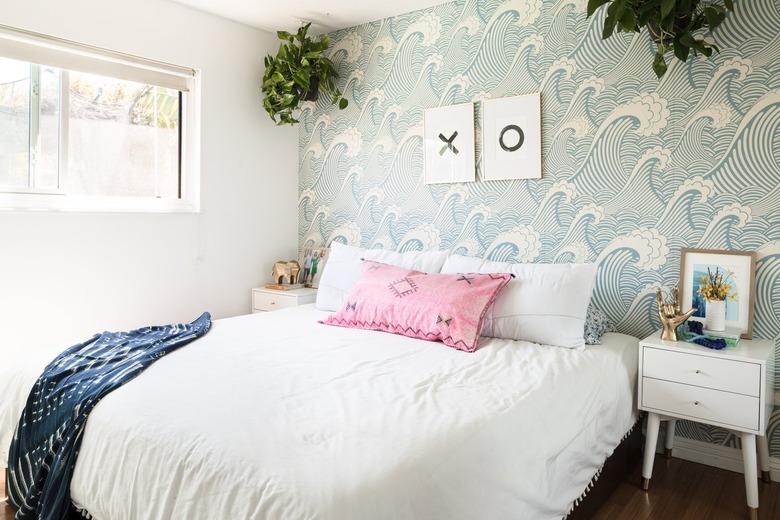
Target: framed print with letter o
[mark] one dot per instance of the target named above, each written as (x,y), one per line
(512,138)
(449,144)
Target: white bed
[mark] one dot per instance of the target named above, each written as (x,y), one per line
(276,416)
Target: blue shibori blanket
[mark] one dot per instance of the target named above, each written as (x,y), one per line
(47,438)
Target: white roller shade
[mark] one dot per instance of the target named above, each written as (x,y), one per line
(36,48)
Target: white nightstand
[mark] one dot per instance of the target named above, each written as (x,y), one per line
(264,300)
(730,388)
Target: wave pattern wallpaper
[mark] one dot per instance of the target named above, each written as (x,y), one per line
(634,168)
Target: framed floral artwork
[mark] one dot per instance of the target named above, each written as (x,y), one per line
(449,144)
(719,275)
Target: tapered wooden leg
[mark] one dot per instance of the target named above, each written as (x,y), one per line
(763,458)
(751,472)
(669,441)
(651,440)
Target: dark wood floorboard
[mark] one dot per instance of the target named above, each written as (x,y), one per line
(679,490)
(6,513)
(684,490)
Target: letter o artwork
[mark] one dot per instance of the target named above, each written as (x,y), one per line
(520,138)
(511,130)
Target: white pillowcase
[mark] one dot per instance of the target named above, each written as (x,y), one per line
(344,266)
(544,303)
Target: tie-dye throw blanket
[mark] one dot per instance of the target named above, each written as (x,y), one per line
(47,438)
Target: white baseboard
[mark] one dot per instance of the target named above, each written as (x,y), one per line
(722,457)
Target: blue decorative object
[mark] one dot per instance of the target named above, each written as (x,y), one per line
(47,438)
(693,333)
(713,343)
(696,327)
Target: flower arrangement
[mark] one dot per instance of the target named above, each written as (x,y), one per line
(717,286)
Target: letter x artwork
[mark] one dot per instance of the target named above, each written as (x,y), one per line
(512,143)
(449,144)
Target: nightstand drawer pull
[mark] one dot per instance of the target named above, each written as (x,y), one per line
(724,374)
(264,300)
(700,404)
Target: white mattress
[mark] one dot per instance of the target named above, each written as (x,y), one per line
(274,416)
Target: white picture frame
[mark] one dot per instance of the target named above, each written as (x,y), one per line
(512,138)
(449,144)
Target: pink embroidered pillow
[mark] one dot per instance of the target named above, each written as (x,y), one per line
(436,307)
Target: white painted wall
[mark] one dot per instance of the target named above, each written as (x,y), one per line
(64,276)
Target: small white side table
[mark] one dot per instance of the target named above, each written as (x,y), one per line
(728,388)
(265,300)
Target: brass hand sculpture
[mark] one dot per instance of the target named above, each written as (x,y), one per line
(671,315)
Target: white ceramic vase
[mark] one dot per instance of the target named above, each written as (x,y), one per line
(716,315)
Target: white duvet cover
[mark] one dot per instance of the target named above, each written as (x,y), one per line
(275,416)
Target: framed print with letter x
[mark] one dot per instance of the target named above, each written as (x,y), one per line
(449,144)
(512,145)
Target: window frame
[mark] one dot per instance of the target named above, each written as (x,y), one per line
(68,55)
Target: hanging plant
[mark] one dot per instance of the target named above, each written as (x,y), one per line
(672,24)
(298,72)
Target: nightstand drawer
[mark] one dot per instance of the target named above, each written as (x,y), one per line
(729,375)
(265,301)
(700,404)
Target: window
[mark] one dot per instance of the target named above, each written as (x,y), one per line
(83,128)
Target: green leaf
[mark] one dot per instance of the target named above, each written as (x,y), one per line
(595,4)
(284,35)
(680,50)
(628,21)
(698,45)
(609,28)
(302,78)
(647,7)
(282,55)
(301,34)
(729,5)
(619,8)
(714,16)
(659,64)
(312,55)
(686,39)
(343,103)
(667,7)
(697,22)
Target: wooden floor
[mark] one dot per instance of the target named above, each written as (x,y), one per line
(679,490)
(6,513)
(683,490)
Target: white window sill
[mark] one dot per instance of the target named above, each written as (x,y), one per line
(39,202)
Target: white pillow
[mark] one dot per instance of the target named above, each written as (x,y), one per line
(544,303)
(344,266)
